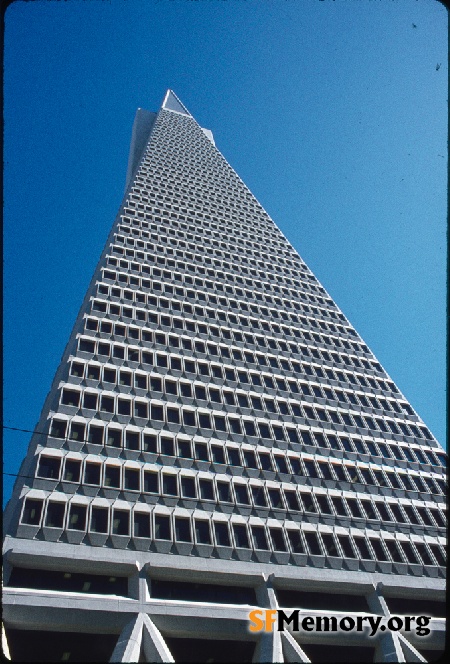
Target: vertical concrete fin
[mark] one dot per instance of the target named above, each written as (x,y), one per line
(265,593)
(291,650)
(155,648)
(377,603)
(5,647)
(389,649)
(142,127)
(269,648)
(128,646)
(410,653)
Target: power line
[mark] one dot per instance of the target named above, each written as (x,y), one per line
(29,477)
(41,433)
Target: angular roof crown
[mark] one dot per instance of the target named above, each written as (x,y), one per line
(172,103)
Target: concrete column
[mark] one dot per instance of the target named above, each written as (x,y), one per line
(265,593)
(291,649)
(133,583)
(128,647)
(269,648)
(411,654)
(388,648)
(7,569)
(143,585)
(155,648)
(5,647)
(376,601)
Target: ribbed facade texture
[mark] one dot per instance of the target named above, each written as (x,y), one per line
(217,438)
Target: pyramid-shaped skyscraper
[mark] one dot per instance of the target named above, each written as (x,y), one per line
(218,439)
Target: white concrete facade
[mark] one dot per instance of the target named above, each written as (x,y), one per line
(218,438)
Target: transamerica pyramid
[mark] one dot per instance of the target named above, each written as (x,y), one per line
(218,443)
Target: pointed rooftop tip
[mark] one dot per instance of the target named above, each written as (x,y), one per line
(172,103)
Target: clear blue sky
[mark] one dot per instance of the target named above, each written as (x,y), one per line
(333,113)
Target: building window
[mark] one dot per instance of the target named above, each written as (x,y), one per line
(259,538)
(92,473)
(121,522)
(99,520)
(72,470)
(202,534)
(222,534)
(240,536)
(278,542)
(49,467)
(162,527)
(132,479)
(170,485)
(141,524)
(182,530)
(32,512)
(112,476)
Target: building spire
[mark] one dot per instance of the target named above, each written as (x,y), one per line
(172,103)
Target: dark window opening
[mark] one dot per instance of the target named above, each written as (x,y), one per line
(131,479)
(167,446)
(141,524)
(39,646)
(75,582)
(420,607)
(295,541)
(313,543)
(55,515)
(334,653)
(162,527)
(121,522)
(201,592)
(112,476)
(99,520)
(278,542)
(182,530)
(222,534)
(332,601)
(240,536)
(77,519)
(114,437)
(58,429)
(170,485)
(49,467)
(77,431)
(202,534)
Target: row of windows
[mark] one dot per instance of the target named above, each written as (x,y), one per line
(167,182)
(279,314)
(230,305)
(250,401)
(240,377)
(245,494)
(256,280)
(234,424)
(246,458)
(236,535)
(135,354)
(110,374)
(160,253)
(276,262)
(167,225)
(260,343)
(144,196)
(260,290)
(151,207)
(237,260)
(227,301)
